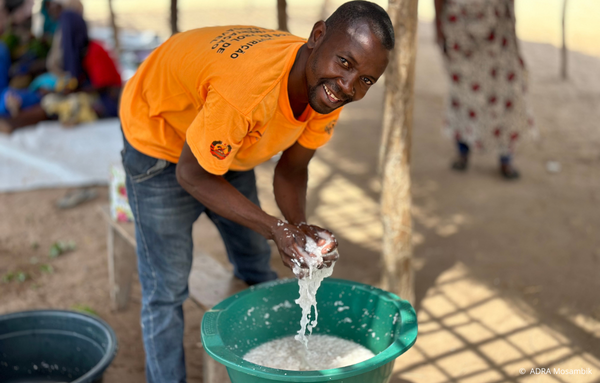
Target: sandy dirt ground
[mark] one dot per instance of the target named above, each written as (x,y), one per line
(506,273)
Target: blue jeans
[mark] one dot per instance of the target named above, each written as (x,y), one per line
(164,214)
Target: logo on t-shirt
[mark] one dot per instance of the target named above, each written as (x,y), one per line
(220,150)
(329,127)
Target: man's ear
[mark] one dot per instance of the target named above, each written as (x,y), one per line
(316,35)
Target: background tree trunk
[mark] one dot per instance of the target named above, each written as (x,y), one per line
(563,55)
(282,15)
(394,155)
(115,28)
(174,16)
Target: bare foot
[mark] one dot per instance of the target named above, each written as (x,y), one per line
(13,103)
(5,126)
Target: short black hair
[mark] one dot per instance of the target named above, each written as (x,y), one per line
(377,18)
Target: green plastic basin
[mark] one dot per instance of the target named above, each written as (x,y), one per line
(374,318)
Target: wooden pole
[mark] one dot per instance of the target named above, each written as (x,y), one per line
(394,155)
(174,14)
(563,56)
(282,18)
(115,28)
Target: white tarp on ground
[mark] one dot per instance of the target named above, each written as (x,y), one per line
(48,155)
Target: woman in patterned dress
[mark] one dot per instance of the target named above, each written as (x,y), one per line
(486,103)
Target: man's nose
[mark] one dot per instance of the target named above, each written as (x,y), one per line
(346,85)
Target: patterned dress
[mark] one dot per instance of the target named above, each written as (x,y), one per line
(486,103)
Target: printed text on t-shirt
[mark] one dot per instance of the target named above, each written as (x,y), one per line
(245,36)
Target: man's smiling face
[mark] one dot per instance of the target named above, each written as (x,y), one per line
(343,67)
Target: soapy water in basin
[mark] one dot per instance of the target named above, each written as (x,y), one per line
(324,352)
(310,283)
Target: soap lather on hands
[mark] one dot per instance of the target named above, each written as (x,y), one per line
(303,244)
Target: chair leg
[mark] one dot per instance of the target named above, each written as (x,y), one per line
(121,268)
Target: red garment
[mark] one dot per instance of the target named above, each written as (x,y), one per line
(100,67)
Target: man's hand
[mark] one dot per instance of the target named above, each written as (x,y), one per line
(291,243)
(289,185)
(324,238)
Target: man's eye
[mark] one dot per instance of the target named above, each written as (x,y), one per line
(367,81)
(344,62)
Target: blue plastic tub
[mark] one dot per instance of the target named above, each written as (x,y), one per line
(54,346)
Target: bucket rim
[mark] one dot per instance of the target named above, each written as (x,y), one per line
(213,343)
(111,346)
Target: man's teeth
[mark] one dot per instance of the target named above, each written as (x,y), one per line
(330,94)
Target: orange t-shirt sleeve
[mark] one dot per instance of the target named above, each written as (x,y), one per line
(319,130)
(216,134)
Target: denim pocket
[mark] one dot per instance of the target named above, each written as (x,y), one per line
(139,166)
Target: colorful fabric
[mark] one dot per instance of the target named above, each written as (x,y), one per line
(5,62)
(71,109)
(24,50)
(23,98)
(50,25)
(224,89)
(49,82)
(488,81)
(100,67)
(107,102)
(46,81)
(104,76)
(73,42)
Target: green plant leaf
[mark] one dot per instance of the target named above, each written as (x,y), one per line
(46,268)
(22,276)
(84,309)
(61,247)
(8,277)
(55,250)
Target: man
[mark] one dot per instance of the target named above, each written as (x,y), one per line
(201,112)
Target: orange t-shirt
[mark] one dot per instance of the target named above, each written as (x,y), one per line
(224,90)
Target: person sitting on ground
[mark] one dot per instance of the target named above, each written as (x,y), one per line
(20,57)
(201,112)
(74,55)
(28,53)
(73,59)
